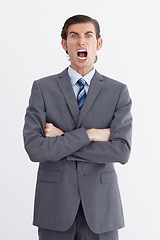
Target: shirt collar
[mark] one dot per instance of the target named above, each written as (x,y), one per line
(75,76)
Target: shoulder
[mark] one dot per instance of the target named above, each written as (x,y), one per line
(50,80)
(113,87)
(111,84)
(110,81)
(47,80)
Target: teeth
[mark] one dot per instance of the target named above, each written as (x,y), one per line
(82,57)
(82,50)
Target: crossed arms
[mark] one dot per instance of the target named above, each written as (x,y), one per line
(94,135)
(44,142)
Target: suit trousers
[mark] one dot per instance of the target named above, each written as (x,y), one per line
(78,231)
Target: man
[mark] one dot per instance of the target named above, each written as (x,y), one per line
(77,125)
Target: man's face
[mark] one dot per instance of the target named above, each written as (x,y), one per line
(82,46)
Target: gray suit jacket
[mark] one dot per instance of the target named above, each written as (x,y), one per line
(71,167)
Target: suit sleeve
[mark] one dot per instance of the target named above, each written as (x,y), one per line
(41,148)
(118,148)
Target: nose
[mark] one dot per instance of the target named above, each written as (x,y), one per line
(81,42)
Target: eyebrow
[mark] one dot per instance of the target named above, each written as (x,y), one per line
(78,33)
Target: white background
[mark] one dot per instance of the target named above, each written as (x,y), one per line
(30,49)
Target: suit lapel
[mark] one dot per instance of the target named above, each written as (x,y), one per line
(67,90)
(94,89)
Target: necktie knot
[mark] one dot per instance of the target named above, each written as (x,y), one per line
(81,82)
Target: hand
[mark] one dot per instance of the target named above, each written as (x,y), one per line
(52,131)
(98,134)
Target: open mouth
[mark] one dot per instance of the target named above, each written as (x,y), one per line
(82,54)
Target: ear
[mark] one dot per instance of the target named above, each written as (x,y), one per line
(64,44)
(99,44)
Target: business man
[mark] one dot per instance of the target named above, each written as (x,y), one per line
(77,125)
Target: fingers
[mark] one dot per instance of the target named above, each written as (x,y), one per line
(106,134)
(49,125)
(47,129)
(107,129)
(47,132)
(52,131)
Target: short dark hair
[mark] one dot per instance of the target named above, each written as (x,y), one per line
(80,19)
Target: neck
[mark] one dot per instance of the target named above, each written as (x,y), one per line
(82,71)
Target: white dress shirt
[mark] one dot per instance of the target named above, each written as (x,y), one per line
(75,76)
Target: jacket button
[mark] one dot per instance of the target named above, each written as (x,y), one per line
(80,174)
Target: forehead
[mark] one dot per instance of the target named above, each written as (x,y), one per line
(82,28)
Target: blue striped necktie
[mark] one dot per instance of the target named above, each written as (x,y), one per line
(82,93)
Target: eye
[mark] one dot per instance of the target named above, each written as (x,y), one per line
(88,35)
(74,36)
